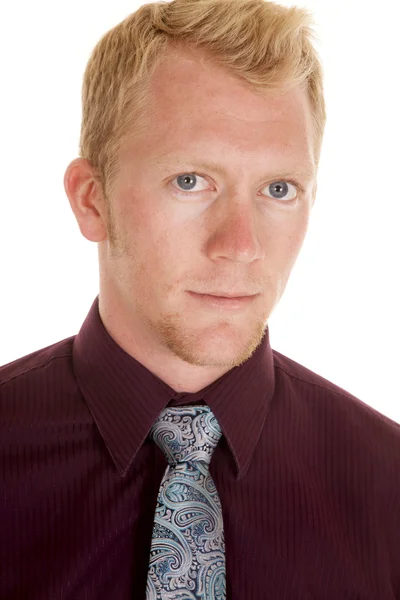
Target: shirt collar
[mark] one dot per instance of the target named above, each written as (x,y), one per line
(125,398)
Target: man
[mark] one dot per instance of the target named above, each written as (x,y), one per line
(300,494)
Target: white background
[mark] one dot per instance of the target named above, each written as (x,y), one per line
(339,315)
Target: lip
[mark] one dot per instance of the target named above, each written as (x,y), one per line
(222,302)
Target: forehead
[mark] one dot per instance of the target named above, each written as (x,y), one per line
(199,106)
(189,85)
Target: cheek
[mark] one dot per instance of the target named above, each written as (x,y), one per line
(173,262)
(291,247)
(283,246)
(292,231)
(155,253)
(298,234)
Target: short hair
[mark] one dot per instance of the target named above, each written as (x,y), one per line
(263,44)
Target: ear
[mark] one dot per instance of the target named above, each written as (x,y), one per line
(86,199)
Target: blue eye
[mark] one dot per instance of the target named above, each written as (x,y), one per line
(278,189)
(282,187)
(187,180)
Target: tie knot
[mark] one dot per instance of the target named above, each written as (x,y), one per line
(186,433)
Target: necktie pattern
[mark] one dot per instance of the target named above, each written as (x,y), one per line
(187,554)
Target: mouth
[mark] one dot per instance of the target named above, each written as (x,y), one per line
(236,303)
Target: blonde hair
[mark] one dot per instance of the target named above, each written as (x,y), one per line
(265,45)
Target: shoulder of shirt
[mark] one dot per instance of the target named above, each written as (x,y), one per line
(35,363)
(320,394)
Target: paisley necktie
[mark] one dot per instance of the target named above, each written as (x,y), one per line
(187,554)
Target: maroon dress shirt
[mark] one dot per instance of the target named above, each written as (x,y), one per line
(308,476)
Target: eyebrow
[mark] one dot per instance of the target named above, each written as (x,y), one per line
(304,169)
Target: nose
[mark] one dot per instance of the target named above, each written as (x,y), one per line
(236,234)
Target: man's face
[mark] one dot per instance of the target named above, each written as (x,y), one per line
(232,231)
